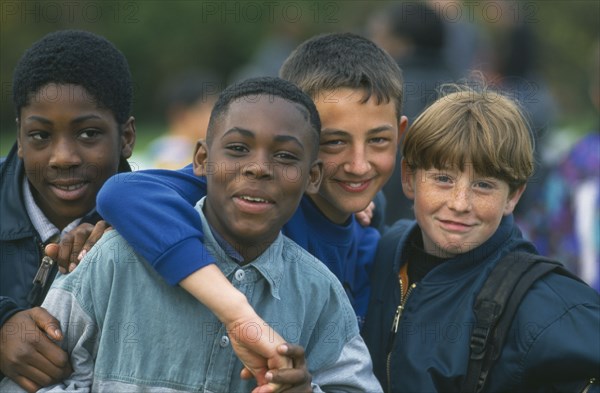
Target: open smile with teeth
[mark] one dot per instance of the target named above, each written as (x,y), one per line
(254,199)
(71,187)
(354,185)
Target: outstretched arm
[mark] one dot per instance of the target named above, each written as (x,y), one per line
(231,307)
(154,211)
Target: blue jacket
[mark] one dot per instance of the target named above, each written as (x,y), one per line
(553,340)
(348,250)
(21,249)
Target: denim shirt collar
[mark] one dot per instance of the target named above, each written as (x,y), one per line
(269,264)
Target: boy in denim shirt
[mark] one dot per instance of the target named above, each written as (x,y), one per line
(114,305)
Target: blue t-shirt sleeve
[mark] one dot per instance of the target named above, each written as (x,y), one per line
(154,211)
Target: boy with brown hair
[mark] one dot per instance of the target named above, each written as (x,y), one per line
(466,162)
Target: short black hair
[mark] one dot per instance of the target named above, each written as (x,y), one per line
(344,60)
(272,87)
(79,58)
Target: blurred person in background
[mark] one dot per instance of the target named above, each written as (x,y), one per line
(510,64)
(463,38)
(565,221)
(271,52)
(413,34)
(187,100)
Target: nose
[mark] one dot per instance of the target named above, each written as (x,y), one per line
(358,162)
(64,154)
(260,168)
(461,200)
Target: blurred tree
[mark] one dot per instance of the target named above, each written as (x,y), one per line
(163,38)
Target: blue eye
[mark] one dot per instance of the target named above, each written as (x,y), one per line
(442,178)
(483,184)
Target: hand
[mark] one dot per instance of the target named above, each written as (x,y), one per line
(364,217)
(27,355)
(255,343)
(296,379)
(74,245)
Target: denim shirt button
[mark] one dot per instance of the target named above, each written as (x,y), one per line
(239,275)
(224,341)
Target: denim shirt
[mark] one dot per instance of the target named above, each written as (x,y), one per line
(126,329)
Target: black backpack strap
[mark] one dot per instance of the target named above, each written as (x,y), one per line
(495,307)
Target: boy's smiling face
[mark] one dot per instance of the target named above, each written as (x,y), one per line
(258,165)
(457,210)
(358,148)
(69,147)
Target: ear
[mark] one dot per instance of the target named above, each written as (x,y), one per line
(200,158)
(408,180)
(513,199)
(402,124)
(315,177)
(128,138)
(19,147)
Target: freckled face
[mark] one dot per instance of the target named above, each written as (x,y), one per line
(457,211)
(258,166)
(358,149)
(69,147)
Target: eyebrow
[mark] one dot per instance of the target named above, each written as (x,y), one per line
(278,138)
(79,119)
(376,130)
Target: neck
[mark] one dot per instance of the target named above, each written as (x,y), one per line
(243,249)
(329,211)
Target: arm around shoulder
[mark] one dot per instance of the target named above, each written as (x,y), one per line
(159,199)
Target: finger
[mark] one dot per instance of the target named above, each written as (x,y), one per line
(246,374)
(66,247)
(288,376)
(79,239)
(267,388)
(56,361)
(27,384)
(46,322)
(51,250)
(40,371)
(99,229)
(295,352)
(362,218)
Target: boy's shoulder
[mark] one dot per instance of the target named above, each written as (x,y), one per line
(108,254)
(560,292)
(294,255)
(306,269)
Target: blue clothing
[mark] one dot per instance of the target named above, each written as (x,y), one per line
(563,220)
(347,250)
(553,339)
(128,330)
